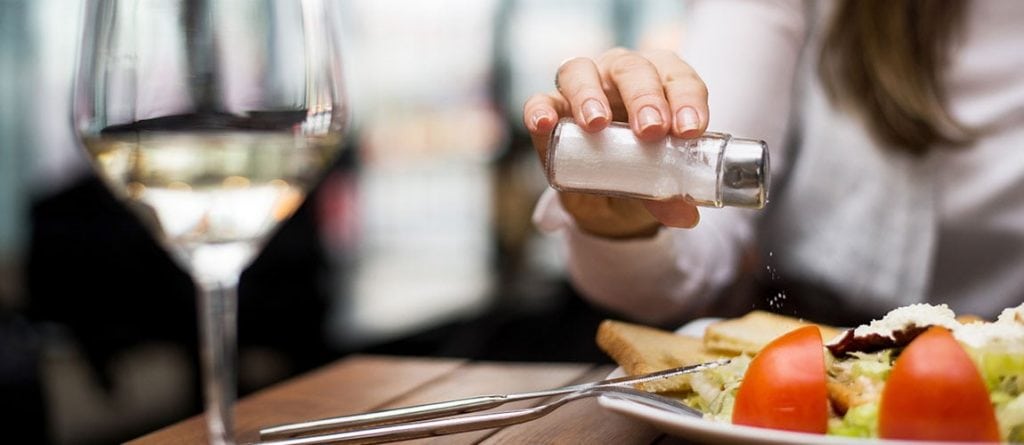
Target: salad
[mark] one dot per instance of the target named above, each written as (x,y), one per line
(916,374)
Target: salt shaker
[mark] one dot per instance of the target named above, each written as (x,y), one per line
(713,170)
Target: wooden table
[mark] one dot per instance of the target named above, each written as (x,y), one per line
(362,383)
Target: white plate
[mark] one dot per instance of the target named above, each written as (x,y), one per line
(708,431)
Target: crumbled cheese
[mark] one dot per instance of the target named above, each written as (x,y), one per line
(1012,315)
(1007,333)
(1005,336)
(920,315)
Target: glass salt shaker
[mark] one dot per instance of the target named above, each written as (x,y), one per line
(713,170)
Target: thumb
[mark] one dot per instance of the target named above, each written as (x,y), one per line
(677,212)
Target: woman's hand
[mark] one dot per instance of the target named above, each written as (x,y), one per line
(657,93)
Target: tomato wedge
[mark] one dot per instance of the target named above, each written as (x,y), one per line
(784,386)
(935,392)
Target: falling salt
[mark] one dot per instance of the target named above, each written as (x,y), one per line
(776,301)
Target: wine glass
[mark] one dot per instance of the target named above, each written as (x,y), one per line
(210,119)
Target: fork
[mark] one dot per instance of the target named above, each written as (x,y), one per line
(473,422)
(466,405)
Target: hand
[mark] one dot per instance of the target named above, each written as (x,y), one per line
(657,93)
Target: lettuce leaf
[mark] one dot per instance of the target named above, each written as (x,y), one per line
(1003,373)
(714,390)
(859,421)
(1011,419)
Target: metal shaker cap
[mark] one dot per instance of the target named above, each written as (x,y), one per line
(745,173)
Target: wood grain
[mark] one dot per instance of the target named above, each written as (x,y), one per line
(583,421)
(364,383)
(670,440)
(352,385)
(492,378)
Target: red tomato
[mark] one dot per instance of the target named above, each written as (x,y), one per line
(935,392)
(784,386)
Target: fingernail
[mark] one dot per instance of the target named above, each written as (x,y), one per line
(687,120)
(593,110)
(648,117)
(693,222)
(538,117)
(694,219)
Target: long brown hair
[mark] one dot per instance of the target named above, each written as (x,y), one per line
(886,59)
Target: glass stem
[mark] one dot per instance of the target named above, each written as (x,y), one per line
(218,304)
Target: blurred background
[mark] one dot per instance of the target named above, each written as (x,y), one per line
(418,241)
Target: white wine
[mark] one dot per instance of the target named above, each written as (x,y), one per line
(210,187)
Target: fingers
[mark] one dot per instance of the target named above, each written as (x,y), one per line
(686,92)
(639,86)
(579,82)
(656,91)
(540,114)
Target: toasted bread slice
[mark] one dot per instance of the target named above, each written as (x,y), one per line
(753,331)
(641,349)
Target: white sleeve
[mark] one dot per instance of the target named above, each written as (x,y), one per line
(747,52)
